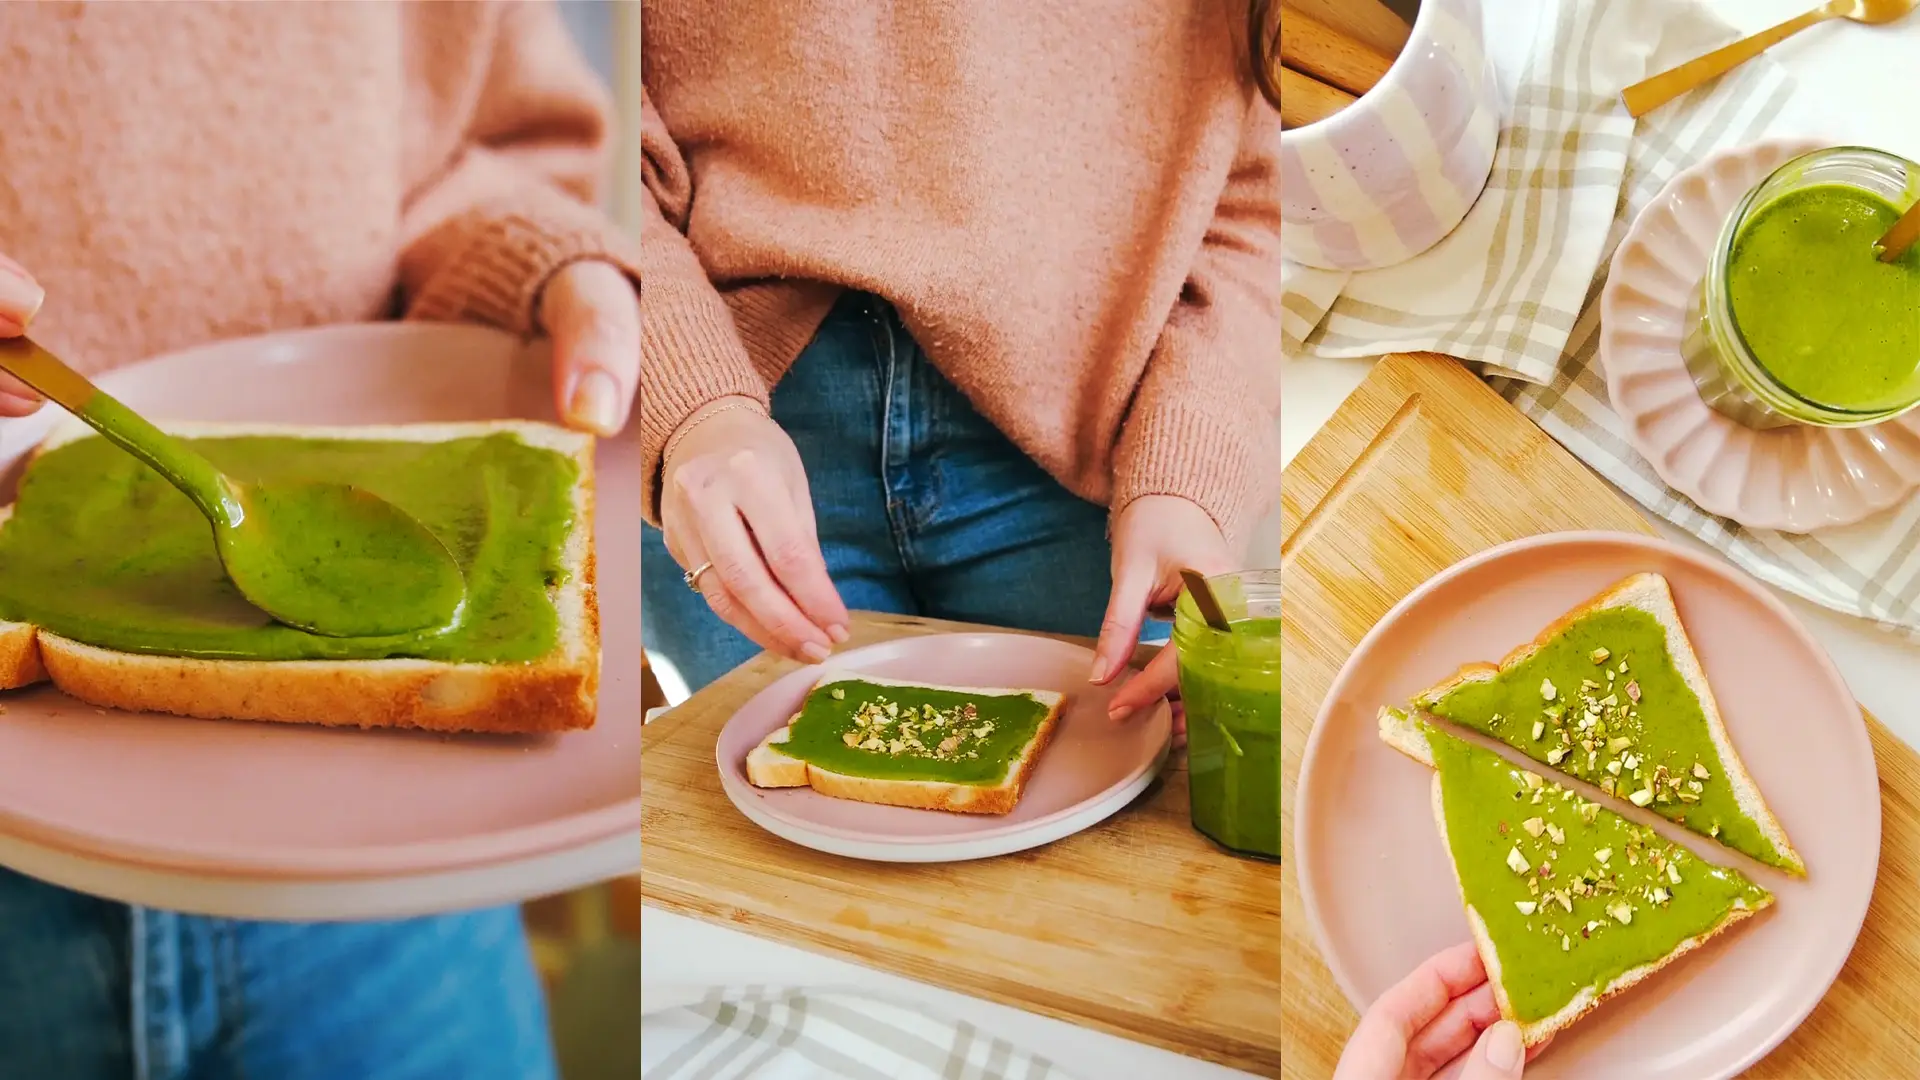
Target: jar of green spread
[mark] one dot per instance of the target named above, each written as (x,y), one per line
(1230,687)
(1797,321)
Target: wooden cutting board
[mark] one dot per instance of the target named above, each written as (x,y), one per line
(1138,926)
(1420,468)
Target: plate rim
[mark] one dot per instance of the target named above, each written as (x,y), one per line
(1001,840)
(1650,545)
(336,862)
(1790,519)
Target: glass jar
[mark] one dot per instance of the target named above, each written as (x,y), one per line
(1732,379)
(1230,688)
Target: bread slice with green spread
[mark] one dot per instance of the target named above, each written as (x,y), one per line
(963,749)
(1612,693)
(1570,904)
(552,690)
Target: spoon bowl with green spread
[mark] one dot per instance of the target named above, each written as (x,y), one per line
(330,559)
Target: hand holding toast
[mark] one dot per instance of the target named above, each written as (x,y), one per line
(735,509)
(20,299)
(1443,1009)
(592,313)
(1153,538)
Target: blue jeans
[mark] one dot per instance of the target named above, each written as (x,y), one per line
(922,506)
(95,990)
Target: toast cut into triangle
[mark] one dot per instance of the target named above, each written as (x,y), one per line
(1570,903)
(1613,694)
(908,760)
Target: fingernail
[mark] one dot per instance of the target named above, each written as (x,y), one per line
(1504,1047)
(838,633)
(815,652)
(20,298)
(596,403)
(1117,712)
(1099,673)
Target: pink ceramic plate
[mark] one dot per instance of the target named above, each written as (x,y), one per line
(1091,769)
(281,801)
(1795,479)
(1376,882)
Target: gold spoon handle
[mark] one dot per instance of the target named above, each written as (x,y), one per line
(1649,94)
(1904,234)
(1205,600)
(30,362)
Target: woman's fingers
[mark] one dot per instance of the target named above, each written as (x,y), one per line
(1154,682)
(1453,1032)
(592,313)
(792,551)
(1415,1001)
(1133,584)
(20,300)
(15,398)
(721,602)
(738,563)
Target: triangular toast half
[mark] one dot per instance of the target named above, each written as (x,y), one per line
(1613,694)
(1570,903)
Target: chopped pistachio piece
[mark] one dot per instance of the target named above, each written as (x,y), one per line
(1518,862)
(1621,911)
(1641,797)
(839,693)
(1527,907)
(1539,726)
(1600,655)
(1555,833)
(1700,771)
(1547,690)
(1534,826)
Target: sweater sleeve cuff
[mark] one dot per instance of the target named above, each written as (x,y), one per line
(691,355)
(1229,470)
(502,256)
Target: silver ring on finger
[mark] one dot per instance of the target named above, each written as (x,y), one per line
(692,577)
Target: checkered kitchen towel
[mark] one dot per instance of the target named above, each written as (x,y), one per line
(1515,289)
(761,1033)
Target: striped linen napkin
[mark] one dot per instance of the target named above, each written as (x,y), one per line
(772,1033)
(1515,290)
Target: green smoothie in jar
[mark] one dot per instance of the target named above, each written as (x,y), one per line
(1797,320)
(1230,688)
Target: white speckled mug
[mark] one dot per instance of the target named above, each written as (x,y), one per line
(1387,177)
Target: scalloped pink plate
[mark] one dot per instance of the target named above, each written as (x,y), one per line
(1793,479)
(272,800)
(1090,771)
(1375,881)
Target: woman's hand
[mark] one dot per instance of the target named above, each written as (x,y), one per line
(733,493)
(1153,539)
(1445,1008)
(20,299)
(592,312)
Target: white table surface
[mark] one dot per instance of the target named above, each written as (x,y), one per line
(1866,72)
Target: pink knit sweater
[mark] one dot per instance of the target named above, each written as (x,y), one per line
(1075,205)
(174,173)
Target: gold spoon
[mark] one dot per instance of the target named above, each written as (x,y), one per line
(1902,236)
(330,559)
(1649,94)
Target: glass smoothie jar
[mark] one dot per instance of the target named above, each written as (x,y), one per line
(1796,320)
(1230,687)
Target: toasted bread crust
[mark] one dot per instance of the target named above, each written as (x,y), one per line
(558,692)
(1635,591)
(764,769)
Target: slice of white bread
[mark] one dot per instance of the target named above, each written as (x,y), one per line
(557,692)
(1650,593)
(1405,734)
(769,767)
